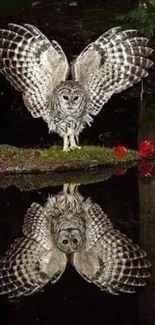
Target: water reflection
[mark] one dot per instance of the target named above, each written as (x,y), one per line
(70,228)
(147,235)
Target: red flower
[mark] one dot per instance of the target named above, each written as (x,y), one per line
(120,171)
(146,171)
(120,151)
(146,148)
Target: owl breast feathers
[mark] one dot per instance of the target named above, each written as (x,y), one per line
(39,69)
(69,228)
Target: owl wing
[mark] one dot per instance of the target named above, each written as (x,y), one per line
(109,259)
(114,62)
(32,260)
(33,65)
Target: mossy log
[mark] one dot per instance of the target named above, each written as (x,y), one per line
(23,161)
(30,169)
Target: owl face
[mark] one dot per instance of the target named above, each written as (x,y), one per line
(70,97)
(68,235)
(69,240)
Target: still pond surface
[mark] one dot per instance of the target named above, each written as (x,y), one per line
(128,200)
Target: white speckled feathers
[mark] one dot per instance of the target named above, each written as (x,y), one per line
(104,256)
(33,65)
(109,259)
(114,62)
(39,68)
(33,260)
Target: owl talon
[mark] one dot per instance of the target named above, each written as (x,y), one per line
(75,147)
(66,149)
(71,148)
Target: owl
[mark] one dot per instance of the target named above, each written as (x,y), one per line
(71,229)
(68,97)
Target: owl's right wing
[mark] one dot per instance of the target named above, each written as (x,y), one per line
(114,62)
(33,65)
(32,260)
(109,259)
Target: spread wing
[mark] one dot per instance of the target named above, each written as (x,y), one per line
(109,259)
(114,62)
(32,260)
(33,65)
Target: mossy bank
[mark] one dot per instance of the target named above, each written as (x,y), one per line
(22,161)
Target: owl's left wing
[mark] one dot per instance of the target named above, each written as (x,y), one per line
(114,62)
(109,259)
(32,260)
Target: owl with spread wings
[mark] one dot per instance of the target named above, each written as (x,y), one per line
(40,70)
(69,228)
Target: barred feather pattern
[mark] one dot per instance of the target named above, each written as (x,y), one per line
(67,212)
(39,69)
(120,59)
(109,259)
(33,260)
(70,228)
(33,65)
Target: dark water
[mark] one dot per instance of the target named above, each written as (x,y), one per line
(128,200)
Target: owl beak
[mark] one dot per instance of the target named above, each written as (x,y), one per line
(49,129)
(70,106)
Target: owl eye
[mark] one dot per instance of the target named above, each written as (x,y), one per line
(75,241)
(65,242)
(65,97)
(76,98)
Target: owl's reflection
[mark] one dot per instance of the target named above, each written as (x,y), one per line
(70,228)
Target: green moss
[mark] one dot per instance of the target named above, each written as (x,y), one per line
(18,160)
(30,169)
